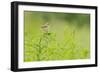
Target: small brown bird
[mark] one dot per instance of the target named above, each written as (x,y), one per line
(45,27)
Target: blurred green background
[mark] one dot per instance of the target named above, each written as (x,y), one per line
(68,37)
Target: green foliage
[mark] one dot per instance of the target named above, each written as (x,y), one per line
(64,41)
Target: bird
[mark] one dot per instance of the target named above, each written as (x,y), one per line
(45,27)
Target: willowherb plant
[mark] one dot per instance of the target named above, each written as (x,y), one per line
(43,42)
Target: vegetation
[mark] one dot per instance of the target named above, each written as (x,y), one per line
(67,38)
